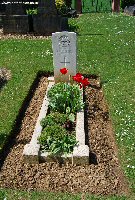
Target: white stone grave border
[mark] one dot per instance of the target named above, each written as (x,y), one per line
(32,153)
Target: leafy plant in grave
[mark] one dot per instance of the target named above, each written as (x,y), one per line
(65,98)
(64,120)
(64,102)
(55,140)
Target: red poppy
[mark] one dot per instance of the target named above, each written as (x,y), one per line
(64,70)
(78,77)
(85,82)
(74,78)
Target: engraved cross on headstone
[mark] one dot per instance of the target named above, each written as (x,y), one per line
(65,62)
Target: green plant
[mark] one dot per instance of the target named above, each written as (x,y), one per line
(65,120)
(55,140)
(54,118)
(61,6)
(32,11)
(65,98)
(55,131)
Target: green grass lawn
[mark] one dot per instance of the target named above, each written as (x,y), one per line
(24,58)
(22,195)
(106,47)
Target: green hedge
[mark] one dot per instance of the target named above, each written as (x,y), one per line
(125,3)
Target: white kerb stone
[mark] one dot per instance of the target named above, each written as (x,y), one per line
(64,54)
(81,151)
(80,133)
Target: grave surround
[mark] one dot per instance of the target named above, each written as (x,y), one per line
(80,155)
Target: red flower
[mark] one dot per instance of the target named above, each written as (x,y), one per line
(64,70)
(78,77)
(85,82)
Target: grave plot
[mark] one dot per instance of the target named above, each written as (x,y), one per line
(80,155)
(103,174)
(64,48)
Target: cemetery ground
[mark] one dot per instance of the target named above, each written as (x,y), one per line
(106,45)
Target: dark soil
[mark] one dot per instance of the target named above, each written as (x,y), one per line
(102,176)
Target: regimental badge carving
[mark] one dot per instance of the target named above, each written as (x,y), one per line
(64,44)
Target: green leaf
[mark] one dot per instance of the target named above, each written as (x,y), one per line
(65,98)
(72,117)
(68,110)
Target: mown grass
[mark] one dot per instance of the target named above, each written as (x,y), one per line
(24,58)
(106,46)
(23,195)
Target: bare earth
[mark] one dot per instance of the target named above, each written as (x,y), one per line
(103,176)
(21,36)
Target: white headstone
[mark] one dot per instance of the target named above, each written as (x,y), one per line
(64,54)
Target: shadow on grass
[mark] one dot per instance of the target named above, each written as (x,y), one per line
(11,139)
(2,84)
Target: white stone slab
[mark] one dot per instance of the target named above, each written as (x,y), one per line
(42,114)
(64,54)
(80,133)
(32,149)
